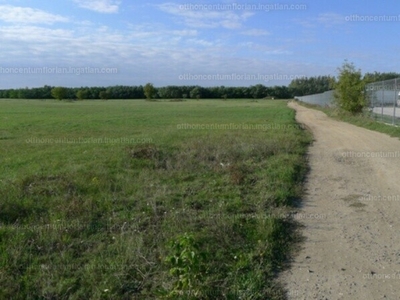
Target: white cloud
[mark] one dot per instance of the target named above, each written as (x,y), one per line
(153,52)
(101,6)
(330,19)
(207,18)
(33,34)
(255,32)
(199,42)
(265,50)
(25,43)
(27,15)
(184,32)
(326,19)
(148,31)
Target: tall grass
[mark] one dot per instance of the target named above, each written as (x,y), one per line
(163,212)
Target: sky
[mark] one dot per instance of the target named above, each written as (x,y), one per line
(76,43)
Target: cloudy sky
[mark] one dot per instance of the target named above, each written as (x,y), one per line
(234,43)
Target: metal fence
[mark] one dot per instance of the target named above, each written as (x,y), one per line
(324,99)
(383,99)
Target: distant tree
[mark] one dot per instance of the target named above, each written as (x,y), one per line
(4,94)
(195,93)
(23,93)
(13,94)
(233,92)
(163,93)
(45,92)
(149,91)
(244,92)
(170,92)
(349,89)
(310,85)
(258,91)
(104,95)
(219,92)
(377,76)
(280,92)
(82,94)
(59,93)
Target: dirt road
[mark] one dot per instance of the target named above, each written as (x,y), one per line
(351,214)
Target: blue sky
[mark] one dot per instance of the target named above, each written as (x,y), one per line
(233,43)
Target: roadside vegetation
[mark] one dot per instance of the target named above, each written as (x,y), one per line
(143,200)
(350,103)
(362,120)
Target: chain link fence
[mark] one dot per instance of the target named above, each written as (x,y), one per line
(323,99)
(383,99)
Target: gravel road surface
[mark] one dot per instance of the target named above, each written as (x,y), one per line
(350,213)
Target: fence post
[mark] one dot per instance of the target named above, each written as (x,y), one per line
(382,99)
(394,102)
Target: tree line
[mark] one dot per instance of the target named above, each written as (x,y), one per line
(320,84)
(297,87)
(138,92)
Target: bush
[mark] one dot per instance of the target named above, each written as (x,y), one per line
(349,89)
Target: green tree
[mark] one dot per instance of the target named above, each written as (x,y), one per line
(149,91)
(13,94)
(82,94)
(104,95)
(349,89)
(195,93)
(23,93)
(377,76)
(170,92)
(59,93)
(4,94)
(258,91)
(310,85)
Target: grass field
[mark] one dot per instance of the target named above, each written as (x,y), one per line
(147,200)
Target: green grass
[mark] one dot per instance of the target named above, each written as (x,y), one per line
(124,219)
(361,120)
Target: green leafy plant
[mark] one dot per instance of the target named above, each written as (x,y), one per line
(185,263)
